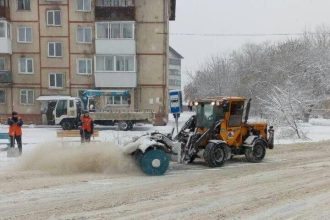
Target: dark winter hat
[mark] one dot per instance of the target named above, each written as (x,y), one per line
(85,112)
(14,113)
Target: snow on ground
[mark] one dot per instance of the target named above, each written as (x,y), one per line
(291,183)
(316,130)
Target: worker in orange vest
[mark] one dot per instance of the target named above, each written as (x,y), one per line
(15,131)
(87,127)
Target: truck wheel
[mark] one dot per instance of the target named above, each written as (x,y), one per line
(67,125)
(123,126)
(257,153)
(154,162)
(130,125)
(215,155)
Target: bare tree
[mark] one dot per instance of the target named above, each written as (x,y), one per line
(285,79)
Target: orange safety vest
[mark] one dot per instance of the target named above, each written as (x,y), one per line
(86,123)
(15,130)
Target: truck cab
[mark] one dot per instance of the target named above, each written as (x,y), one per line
(67,112)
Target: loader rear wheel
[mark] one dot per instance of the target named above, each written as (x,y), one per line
(215,155)
(257,154)
(154,162)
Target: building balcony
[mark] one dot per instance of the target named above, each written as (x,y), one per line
(115,79)
(115,46)
(5,77)
(5,37)
(115,10)
(5,46)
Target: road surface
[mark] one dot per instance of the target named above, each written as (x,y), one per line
(293,182)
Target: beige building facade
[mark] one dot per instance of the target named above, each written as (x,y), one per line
(62,47)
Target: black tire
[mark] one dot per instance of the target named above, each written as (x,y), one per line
(192,159)
(67,125)
(130,125)
(215,155)
(257,154)
(123,126)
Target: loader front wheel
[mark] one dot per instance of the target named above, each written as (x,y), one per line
(257,153)
(154,162)
(215,155)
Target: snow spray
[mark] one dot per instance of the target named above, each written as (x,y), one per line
(87,158)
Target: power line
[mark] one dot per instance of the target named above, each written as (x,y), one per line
(244,35)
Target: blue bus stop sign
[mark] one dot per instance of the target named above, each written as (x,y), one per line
(175,101)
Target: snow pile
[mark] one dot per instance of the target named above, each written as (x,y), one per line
(319,122)
(87,158)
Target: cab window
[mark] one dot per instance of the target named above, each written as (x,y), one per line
(236,113)
(61,108)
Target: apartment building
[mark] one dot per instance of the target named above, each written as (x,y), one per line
(174,74)
(63,47)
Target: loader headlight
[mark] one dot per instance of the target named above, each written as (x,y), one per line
(196,103)
(212,103)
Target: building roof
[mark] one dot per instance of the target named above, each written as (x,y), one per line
(176,53)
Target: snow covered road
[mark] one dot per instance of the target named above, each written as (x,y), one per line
(292,182)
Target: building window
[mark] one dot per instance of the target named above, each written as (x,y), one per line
(23,5)
(54,18)
(122,30)
(2,97)
(25,65)
(2,63)
(84,35)
(84,66)
(102,30)
(117,63)
(105,63)
(174,72)
(56,80)
(124,63)
(127,30)
(4,30)
(117,100)
(24,35)
(174,82)
(176,62)
(83,5)
(27,96)
(54,49)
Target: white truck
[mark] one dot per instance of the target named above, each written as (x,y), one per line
(68,110)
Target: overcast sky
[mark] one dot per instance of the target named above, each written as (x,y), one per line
(239,17)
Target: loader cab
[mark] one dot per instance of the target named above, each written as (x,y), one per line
(208,113)
(67,111)
(227,113)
